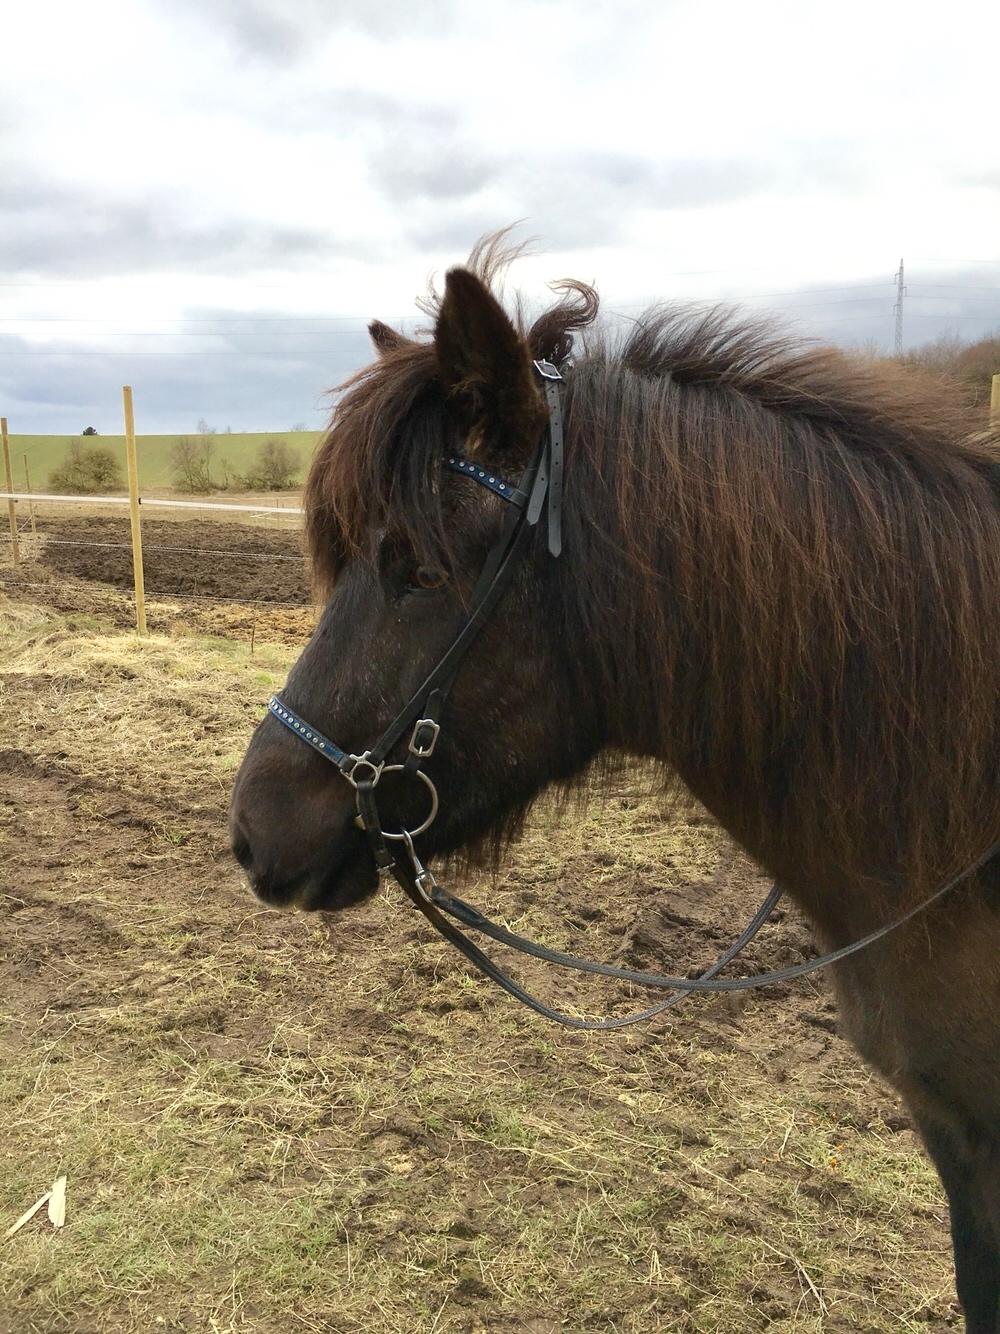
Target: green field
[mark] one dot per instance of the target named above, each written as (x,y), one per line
(237,451)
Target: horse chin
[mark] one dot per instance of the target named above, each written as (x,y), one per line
(352,880)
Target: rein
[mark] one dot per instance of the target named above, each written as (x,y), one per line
(539,489)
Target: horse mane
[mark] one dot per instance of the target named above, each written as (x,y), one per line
(794,553)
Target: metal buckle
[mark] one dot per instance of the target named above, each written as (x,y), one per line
(546,370)
(351,773)
(415,747)
(423,878)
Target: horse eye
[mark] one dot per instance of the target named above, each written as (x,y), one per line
(427,578)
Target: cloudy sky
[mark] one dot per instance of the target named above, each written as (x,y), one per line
(209,198)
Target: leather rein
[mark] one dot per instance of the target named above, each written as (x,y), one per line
(538,492)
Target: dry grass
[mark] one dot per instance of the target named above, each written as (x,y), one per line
(280,1123)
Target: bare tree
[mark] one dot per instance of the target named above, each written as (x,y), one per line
(940,354)
(977,365)
(971,366)
(191,464)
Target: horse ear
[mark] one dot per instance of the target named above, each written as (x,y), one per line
(384,338)
(486,369)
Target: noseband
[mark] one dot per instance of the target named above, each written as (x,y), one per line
(538,490)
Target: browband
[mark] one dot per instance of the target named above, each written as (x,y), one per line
(550,465)
(504,489)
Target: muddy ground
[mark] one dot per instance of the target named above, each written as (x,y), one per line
(189,556)
(278,1122)
(200,574)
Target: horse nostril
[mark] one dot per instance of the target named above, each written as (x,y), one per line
(241,849)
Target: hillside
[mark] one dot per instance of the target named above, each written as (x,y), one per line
(235,450)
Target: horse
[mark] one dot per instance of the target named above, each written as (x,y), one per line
(779,571)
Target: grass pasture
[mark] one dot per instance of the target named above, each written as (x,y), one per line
(237,450)
(281,1123)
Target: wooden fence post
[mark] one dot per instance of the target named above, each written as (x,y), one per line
(133,499)
(11,510)
(31,503)
(995,401)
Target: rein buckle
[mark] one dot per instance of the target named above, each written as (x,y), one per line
(421,744)
(546,370)
(422,877)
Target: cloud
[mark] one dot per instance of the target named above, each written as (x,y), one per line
(330,153)
(984,180)
(266,368)
(357,109)
(434,171)
(578,198)
(936,304)
(250,381)
(587,199)
(56,229)
(279,33)
(450,169)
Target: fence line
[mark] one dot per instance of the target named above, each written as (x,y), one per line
(186,551)
(173,597)
(8,476)
(27,487)
(137,502)
(150,502)
(138,575)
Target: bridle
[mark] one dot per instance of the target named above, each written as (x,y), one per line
(537,492)
(540,488)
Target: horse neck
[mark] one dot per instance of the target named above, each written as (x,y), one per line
(791,650)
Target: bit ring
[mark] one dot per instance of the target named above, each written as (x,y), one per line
(407,834)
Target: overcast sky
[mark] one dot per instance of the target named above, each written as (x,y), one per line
(209,198)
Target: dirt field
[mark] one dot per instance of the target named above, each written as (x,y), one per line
(191,556)
(272,1122)
(201,575)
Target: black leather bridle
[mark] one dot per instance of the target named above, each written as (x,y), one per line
(538,492)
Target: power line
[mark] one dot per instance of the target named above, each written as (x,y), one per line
(926,315)
(168,352)
(170,333)
(961,287)
(199,319)
(930,259)
(916,293)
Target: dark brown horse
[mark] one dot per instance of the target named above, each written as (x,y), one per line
(781,581)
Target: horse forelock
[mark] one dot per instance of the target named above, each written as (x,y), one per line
(379,465)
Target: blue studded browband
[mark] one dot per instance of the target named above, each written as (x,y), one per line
(499,487)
